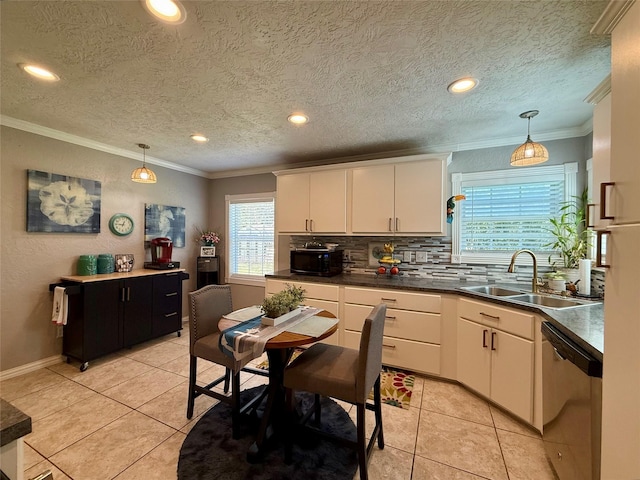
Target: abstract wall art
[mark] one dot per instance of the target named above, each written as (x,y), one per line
(164,221)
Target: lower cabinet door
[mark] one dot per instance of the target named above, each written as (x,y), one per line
(474,356)
(136,307)
(167,304)
(512,374)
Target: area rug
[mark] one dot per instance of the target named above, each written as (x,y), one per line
(396,386)
(210,452)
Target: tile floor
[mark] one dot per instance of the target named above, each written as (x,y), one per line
(124,418)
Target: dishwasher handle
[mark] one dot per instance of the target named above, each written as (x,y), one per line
(567,349)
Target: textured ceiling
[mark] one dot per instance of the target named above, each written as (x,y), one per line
(371,75)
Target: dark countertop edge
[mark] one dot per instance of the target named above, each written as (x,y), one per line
(14,423)
(569,321)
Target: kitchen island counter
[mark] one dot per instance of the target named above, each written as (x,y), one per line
(584,325)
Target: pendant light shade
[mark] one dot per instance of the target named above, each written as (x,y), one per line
(143,174)
(530,152)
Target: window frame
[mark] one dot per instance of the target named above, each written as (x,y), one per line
(244,279)
(568,170)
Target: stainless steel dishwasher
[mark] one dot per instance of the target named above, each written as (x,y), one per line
(572,406)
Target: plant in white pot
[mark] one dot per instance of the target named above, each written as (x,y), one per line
(277,307)
(571,237)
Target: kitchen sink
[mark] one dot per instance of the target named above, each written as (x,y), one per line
(493,290)
(549,302)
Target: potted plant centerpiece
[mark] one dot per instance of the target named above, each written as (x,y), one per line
(571,237)
(282,305)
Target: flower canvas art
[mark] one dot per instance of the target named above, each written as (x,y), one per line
(62,204)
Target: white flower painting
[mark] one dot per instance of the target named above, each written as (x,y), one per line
(59,203)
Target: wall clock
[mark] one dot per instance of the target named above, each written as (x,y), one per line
(121,224)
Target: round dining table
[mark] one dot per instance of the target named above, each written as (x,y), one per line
(279,350)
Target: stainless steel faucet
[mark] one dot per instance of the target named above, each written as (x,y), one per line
(534,280)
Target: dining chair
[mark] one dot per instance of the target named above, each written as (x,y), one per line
(345,374)
(206,307)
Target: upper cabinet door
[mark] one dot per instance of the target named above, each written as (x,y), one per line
(419,197)
(328,201)
(373,199)
(292,207)
(625,119)
(601,157)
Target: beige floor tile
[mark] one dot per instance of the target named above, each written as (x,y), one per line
(156,355)
(170,408)
(50,400)
(23,385)
(388,464)
(525,457)
(110,450)
(31,457)
(454,400)
(425,469)
(399,426)
(108,375)
(417,393)
(460,443)
(44,466)
(145,387)
(55,432)
(180,366)
(504,421)
(183,339)
(161,463)
(72,370)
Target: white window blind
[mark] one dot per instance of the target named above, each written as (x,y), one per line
(507,210)
(505,218)
(251,226)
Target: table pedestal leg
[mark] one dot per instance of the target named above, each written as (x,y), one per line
(275,410)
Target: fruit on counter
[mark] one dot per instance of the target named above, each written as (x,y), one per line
(395,270)
(382,270)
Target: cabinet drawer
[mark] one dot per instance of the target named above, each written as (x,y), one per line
(420,326)
(505,319)
(312,290)
(397,299)
(407,354)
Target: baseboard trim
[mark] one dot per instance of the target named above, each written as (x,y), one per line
(31,367)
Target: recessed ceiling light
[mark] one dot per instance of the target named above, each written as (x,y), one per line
(39,72)
(462,85)
(199,138)
(298,119)
(169,11)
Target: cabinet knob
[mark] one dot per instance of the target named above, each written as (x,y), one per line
(172,314)
(603,200)
(172,294)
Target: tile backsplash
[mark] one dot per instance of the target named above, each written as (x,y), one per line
(437,265)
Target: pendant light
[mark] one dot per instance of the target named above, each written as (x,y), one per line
(143,174)
(529,153)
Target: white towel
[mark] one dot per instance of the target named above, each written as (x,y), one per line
(60,306)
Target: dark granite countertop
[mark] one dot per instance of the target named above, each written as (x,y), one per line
(14,424)
(584,325)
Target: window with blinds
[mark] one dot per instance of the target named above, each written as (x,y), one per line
(505,218)
(507,210)
(251,244)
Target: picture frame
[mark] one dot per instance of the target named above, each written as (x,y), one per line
(207,251)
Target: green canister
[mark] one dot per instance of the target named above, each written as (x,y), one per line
(87,265)
(106,263)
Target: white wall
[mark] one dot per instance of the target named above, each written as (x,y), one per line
(29,262)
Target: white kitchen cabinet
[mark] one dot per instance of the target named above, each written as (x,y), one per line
(412,328)
(312,202)
(316,295)
(493,362)
(401,198)
(601,158)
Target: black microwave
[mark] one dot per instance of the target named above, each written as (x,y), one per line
(316,262)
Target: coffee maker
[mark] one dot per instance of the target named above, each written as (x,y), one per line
(161,249)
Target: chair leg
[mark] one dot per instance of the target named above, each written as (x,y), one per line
(378,412)
(235,408)
(362,442)
(192,384)
(227,376)
(318,410)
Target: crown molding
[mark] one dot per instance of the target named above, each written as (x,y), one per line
(613,12)
(102,147)
(601,91)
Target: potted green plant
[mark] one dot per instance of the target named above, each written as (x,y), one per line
(280,304)
(571,237)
